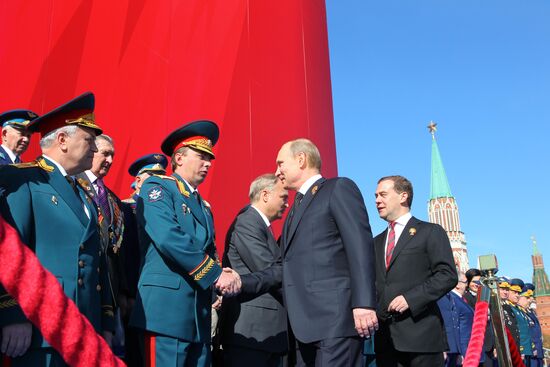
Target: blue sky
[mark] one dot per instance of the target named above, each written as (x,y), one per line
(481,70)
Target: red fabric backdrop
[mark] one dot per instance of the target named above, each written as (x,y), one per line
(260,69)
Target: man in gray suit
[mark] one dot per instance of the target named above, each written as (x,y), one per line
(254,332)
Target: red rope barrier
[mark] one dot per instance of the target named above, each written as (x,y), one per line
(59,320)
(514,351)
(475,346)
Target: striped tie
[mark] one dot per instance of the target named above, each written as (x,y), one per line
(391,244)
(103,200)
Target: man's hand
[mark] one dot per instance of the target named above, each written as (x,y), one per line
(366,322)
(16,339)
(218,304)
(229,282)
(108,336)
(399,304)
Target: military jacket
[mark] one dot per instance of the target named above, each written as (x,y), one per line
(49,217)
(176,231)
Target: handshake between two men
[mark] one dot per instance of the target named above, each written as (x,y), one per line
(229,283)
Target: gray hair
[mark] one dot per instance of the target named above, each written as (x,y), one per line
(311,152)
(106,138)
(48,139)
(263,182)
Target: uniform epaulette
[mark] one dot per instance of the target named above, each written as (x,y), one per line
(41,163)
(164,177)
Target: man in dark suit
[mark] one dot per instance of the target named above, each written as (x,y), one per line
(111,226)
(327,261)
(15,135)
(254,332)
(414,268)
(55,218)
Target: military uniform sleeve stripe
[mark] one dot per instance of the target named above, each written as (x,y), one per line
(203,268)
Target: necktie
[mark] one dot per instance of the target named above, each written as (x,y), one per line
(103,200)
(17,160)
(197,197)
(297,200)
(391,244)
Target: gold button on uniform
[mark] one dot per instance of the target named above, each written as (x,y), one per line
(81,263)
(80,281)
(98,287)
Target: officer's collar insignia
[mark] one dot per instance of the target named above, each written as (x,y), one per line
(181,188)
(54,199)
(44,165)
(155,194)
(314,190)
(412,231)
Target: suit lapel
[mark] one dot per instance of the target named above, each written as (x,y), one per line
(65,191)
(271,241)
(379,244)
(404,239)
(298,214)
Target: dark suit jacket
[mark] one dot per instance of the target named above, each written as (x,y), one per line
(449,313)
(489,341)
(422,270)
(109,233)
(4,157)
(260,323)
(328,261)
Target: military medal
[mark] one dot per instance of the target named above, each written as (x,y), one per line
(54,199)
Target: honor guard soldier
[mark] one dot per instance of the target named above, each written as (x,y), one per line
(15,135)
(55,218)
(173,304)
(141,169)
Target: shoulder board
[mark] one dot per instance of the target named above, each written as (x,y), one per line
(41,163)
(164,177)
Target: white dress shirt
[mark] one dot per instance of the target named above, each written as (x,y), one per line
(309,182)
(399,226)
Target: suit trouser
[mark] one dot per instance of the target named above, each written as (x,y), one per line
(165,351)
(395,358)
(235,356)
(335,352)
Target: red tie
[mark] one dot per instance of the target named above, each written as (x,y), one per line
(391,244)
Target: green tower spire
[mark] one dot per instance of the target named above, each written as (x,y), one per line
(540,279)
(439,187)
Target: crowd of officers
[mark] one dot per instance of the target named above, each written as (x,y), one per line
(519,310)
(60,199)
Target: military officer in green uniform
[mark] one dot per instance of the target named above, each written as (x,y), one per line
(173,305)
(53,216)
(142,168)
(523,321)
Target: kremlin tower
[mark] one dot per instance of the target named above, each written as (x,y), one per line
(542,291)
(442,207)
